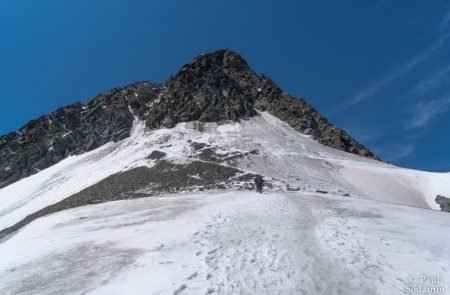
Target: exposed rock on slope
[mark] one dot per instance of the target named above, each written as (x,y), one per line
(164,177)
(444,203)
(213,87)
(70,130)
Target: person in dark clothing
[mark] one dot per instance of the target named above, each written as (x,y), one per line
(259,182)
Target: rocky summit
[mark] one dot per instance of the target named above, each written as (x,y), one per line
(214,87)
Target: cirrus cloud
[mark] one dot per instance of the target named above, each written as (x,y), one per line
(425,111)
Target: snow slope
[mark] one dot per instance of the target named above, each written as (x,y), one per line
(283,242)
(228,243)
(287,156)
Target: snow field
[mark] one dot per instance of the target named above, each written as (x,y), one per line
(228,243)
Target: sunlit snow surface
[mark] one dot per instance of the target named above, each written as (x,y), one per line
(228,243)
(233,242)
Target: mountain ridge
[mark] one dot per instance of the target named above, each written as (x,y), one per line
(213,87)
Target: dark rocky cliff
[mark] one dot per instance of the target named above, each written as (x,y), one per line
(213,87)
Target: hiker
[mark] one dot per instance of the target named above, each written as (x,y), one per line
(259,182)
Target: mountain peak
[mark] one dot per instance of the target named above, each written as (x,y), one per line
(212,68)
(214,87)
(223,59)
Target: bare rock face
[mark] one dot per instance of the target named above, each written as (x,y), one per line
(213,87)
(74,129)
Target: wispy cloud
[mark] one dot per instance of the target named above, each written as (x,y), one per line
(394,152)
(436,80)
(446,19)
(425,111)
(392,75)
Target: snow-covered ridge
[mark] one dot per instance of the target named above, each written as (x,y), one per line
(287,158)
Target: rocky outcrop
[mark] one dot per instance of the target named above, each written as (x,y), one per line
(213,87)
(443,202)
(74,129)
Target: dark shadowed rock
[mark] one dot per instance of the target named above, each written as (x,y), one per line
(443,202)
(156,155)
(71,130)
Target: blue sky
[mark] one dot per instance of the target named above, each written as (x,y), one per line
(378,69)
